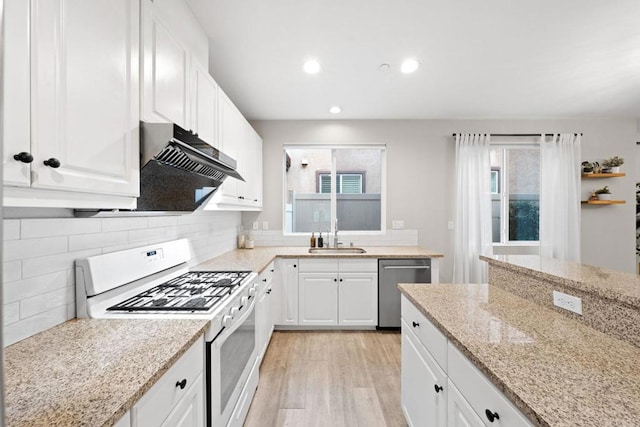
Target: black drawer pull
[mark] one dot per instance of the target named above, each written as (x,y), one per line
(182,384)
(491,416)
(269,291)
(264,280)
(438,388)
(416,324)
(52,163)
(23,157)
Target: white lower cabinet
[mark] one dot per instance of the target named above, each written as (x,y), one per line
(459,412)
(424,385)
(177,399)
(338,292)
(264,315)
(467,397)
(286,275)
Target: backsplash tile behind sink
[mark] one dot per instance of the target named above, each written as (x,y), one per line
(38,256)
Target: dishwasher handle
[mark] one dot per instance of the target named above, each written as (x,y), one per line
(406,267)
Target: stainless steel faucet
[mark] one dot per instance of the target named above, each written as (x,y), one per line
(335,235)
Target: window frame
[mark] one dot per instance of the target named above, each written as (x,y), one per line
(383,186)
(503,192)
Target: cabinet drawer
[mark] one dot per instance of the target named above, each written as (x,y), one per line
(358,265)
(480,393)
(154,407)
(319,265)
(429,335)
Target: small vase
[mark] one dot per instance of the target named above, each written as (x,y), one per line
(604,196)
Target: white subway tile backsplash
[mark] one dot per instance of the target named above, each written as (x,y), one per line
(32,248)
(39,275)
(11,229)
(32,228)
(48,264)
(44,302)
(97,240)
(10,313)
(11,271)
(38,285)
(32,325)
(122,224)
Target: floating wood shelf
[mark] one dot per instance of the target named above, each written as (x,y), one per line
(603,202)
(603,175)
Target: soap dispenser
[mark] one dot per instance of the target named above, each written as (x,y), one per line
(320,240)
(313,240)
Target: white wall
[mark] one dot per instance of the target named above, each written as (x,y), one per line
(38,275)
(420,173)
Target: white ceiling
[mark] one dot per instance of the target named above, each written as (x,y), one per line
(479,59)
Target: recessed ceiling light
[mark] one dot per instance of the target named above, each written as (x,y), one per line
(409,66)
(312,67)
(335,109)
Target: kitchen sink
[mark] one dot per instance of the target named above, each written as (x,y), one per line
(334,251)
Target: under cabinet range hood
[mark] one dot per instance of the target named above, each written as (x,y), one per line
(179,171)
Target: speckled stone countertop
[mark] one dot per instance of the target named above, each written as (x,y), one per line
(258,259)
(557,371)
(616,285)
(89,372)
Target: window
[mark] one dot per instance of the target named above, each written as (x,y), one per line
(346,182)
(515,203)
(312,202)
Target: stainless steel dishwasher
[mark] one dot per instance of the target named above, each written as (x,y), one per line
(390,273)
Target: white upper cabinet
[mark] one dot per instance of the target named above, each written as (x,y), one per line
(73,92)
(205,106)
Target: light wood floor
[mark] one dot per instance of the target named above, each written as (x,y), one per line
(319,378)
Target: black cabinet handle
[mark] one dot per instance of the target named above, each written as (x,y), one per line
(416,324)
(269,291)
(264,280)
(23,157)
(438,388)
(272,270)
(52,163)
(182,384)
(335,280)
(294,265)
(341,280)
(491,416)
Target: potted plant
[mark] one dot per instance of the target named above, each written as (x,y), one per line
(612,164)
(603,193)
(587,167)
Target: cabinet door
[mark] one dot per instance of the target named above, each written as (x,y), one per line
(318,298)
(255,183)
(205,106)
(421,404)
(165,64)
(84,103)
(358,299)
(189,412)
(229,120)
(16,93)
(288,276)
(459,412)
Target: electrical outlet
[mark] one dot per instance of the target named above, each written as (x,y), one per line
(568,302)
(265,225)
(397,224)
(255,225)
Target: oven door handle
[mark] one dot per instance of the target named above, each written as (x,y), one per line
(222,337)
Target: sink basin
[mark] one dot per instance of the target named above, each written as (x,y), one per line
(334,251)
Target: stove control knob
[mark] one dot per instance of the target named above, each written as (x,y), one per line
(252,291)
(234,311)
(226,319)
(244,300)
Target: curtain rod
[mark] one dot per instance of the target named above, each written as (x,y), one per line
(523,134)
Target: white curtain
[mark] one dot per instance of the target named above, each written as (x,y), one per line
(560,197)
(472,236)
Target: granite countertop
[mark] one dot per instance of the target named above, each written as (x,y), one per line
(556,370)
(616,285)
(258,259)
(90,372)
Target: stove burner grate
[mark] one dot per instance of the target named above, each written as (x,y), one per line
(190,292)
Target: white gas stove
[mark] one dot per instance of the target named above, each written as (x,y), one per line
(155,282)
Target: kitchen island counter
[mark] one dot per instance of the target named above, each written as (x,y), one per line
(90,372)
(556,370)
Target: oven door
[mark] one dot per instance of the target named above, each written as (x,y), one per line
(231,356)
